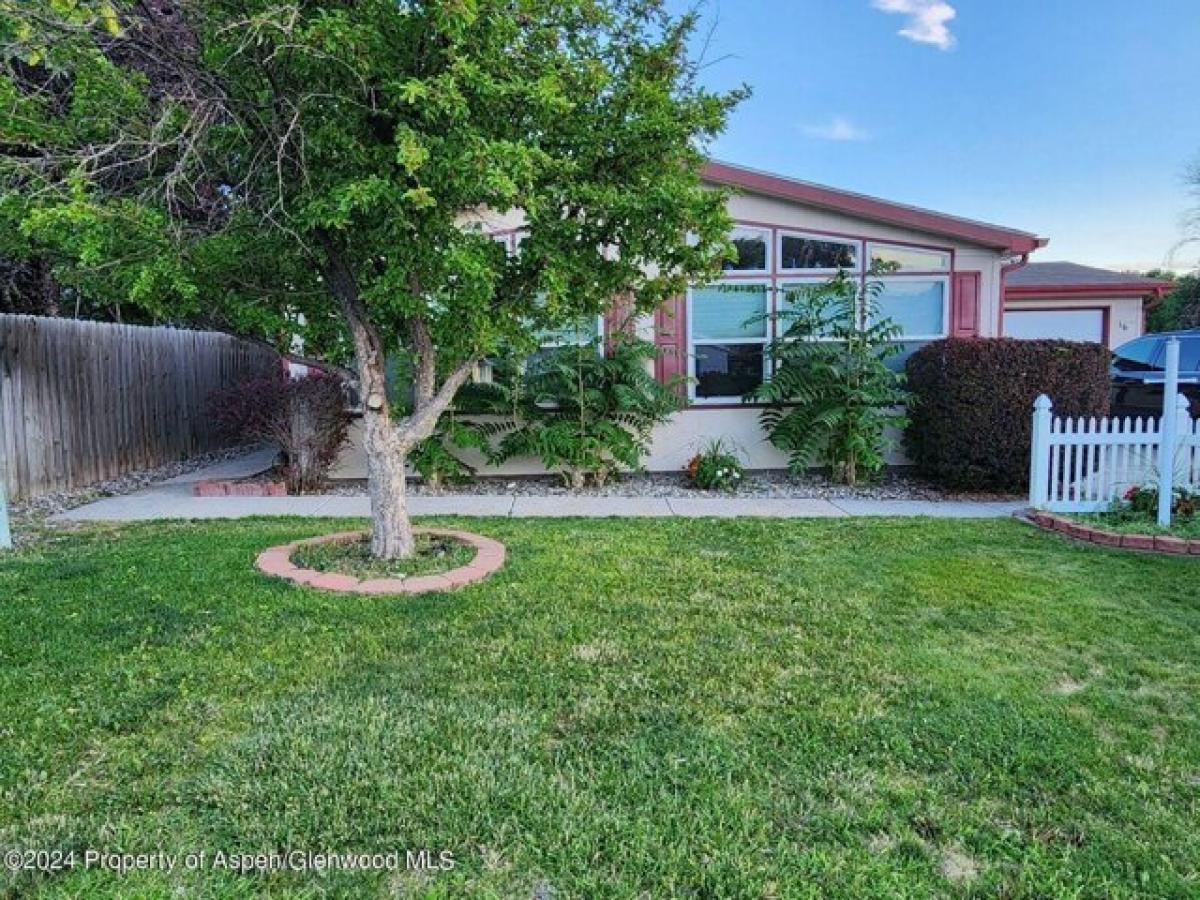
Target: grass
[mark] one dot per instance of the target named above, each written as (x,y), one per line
(434,554)
(709,709)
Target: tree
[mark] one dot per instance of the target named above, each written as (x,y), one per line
(1191,224)
(354,152)
(832,394)
(1180,307)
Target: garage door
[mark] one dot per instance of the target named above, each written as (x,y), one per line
(1064,324)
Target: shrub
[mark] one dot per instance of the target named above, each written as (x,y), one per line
(970,424)
(584,414)
(241,413)
(716,467)
(833,399)
(306,418)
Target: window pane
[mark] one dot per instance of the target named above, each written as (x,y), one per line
(582,332)
(909,259)
(812,253)
(722,314)
(541,360)
(918,307)
(899,362)
(796,299)
(751,244)
(728,370)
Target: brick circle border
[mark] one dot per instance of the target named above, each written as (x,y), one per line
(489,558)
(1163,544)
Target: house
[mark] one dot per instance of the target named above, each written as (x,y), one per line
(1078,303)
(947,278)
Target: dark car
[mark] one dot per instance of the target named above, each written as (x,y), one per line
(1138,369)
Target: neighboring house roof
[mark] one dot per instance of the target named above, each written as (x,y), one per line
(1061,278)
(968,230)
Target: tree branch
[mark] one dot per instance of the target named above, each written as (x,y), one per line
(421,424)
(425,363)
(368,346)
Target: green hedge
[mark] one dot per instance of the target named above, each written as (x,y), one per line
(971,416)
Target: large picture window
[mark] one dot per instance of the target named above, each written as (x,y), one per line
(731,324)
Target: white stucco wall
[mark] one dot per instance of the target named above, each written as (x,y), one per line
(673,445)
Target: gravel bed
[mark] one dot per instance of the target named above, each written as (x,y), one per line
(893,485)
(28,517)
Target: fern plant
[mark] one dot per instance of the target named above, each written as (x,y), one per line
(435,459)
(832,395)
(584,414)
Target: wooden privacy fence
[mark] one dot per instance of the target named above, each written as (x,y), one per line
(81,402)
(1083,465)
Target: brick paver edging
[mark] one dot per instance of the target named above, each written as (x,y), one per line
(235,488)
(489,557)
(1153,543)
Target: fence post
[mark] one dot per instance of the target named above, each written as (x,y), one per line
(6,541)
(1168,431)
(1039,462)
(5,532)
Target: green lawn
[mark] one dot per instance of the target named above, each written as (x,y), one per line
(647,707)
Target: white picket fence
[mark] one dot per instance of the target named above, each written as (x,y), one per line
(1083,465)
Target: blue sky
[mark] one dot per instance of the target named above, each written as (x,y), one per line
(1076,119)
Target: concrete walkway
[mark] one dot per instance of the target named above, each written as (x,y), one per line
(173,499)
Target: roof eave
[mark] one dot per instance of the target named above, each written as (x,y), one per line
(1037,291)
(863,206)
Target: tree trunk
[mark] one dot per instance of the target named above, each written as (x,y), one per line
(387,444)
(391,528)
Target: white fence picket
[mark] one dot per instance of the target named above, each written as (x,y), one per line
(1086,464)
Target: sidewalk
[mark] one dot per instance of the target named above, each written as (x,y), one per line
(173,499)
(177,504)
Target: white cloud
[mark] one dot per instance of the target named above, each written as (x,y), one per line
(839,128)
(928,20)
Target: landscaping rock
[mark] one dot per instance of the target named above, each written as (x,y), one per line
(893,485)
(29,515)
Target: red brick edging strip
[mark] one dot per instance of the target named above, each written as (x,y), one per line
(239,489)
(489,557)
(1152,543)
